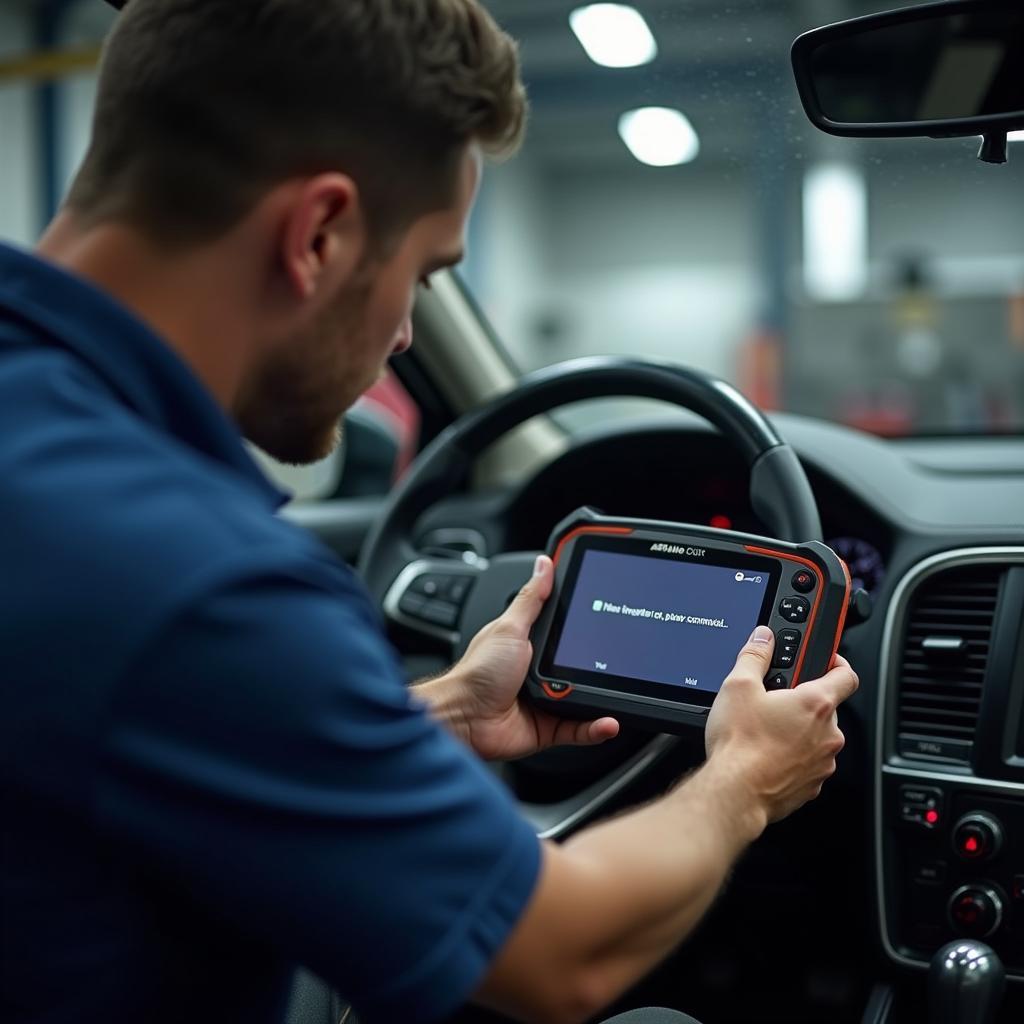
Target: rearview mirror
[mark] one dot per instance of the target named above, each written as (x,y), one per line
(952,68)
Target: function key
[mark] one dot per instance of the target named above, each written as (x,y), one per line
(788,636)
(785,655)
(794,609)
(776,682)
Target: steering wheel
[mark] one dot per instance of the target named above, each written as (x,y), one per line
(451,599)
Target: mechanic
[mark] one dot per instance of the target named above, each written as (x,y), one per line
(212,767)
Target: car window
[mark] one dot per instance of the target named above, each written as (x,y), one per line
(879,283)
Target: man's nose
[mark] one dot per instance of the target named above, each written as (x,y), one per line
(403,339)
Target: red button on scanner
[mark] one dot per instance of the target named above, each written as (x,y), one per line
(803,581)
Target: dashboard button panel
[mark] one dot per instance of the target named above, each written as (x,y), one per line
(922,806)
(931,894)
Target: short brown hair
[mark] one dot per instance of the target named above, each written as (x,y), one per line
(205,104)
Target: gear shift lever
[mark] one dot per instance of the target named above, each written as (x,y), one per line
(965,984)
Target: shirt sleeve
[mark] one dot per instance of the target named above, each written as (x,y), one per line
(265,755)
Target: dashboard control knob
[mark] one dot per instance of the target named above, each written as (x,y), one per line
(977,836)
(976,910)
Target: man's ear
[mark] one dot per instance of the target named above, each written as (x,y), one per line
(324,234)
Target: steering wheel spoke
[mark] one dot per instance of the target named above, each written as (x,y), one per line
(429,595)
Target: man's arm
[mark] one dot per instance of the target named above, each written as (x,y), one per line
(615,900)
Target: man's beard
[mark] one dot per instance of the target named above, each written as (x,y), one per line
(294,402)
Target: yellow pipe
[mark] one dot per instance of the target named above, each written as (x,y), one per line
(49,64)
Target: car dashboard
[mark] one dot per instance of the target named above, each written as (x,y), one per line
(920,836)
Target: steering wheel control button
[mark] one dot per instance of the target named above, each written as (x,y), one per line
(429,584)
(804,581)
(977,837)
(922,806)
(458,589)
(794,609)
(412,604)
(776,682)
(975,910)
(440,613)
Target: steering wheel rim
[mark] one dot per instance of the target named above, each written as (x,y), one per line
(398,575)
(779,490)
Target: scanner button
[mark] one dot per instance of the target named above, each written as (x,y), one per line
(788,636)
(794,609)
(803,581)
(785,656)
(776,682)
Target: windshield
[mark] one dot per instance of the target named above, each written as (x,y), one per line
(878,283)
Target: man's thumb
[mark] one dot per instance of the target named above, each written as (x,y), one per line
(524,609)
(756,657)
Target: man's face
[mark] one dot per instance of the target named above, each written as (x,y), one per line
(297,397)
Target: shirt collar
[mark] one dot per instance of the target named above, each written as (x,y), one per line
(145,373)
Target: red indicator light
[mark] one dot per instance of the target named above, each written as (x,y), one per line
(971,844)
(931,817)
(721,522)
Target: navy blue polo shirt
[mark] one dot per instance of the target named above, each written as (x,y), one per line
(211,769)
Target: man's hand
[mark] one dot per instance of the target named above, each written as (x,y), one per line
(616,898)
(783,743)
(479,697)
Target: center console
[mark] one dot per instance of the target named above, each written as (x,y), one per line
(950,773)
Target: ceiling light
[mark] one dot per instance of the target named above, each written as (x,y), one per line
(659,136)
(614,35)
(1015,137)
(835,231)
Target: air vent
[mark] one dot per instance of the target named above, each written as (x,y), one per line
(945,652)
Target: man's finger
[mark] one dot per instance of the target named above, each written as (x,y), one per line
(523,611)
(585,734)
(839,684)
(756,657)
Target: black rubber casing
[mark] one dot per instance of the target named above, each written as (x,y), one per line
(634,703)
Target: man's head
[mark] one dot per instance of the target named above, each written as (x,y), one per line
(338,140)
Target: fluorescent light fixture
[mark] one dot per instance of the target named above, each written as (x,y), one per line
(614,35)
(659,136)
(1015,137)
(835,231)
